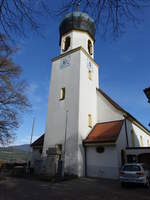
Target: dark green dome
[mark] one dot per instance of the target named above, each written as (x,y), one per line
(78,21)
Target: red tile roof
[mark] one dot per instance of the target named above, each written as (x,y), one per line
(104,132)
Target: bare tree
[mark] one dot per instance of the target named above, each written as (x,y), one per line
(17,17)
(13,98)
(111,16)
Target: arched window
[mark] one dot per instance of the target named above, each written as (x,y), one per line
(90,74)
(66,44)
(90,120)
(90,47)
(62,94)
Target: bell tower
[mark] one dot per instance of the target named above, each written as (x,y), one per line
(77,29)
(72,103)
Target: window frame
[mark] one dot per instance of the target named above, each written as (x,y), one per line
(62,94)
(66,46)
(90,120)
(90,47)
(90,74)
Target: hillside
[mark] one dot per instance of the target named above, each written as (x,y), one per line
(15,153)
(24,147)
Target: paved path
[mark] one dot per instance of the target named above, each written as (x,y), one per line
(78,189)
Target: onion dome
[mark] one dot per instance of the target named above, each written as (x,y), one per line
(77,21)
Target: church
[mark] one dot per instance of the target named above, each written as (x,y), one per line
(87,133)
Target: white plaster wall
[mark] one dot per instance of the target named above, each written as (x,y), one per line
(104,164)
(80,101)
(106,111)
(78,39)
(137,133)
(67,77)
(107,164)
(87,104)
(121,143)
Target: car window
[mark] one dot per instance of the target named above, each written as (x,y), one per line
(131,168)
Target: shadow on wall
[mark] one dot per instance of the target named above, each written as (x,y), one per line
(69,156)
(71,153)
(132,139)
(136,151)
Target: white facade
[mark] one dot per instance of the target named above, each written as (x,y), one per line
(108,163)
(75,74)
(103,165)
(70,116)
(60,111)
(139,135)
(106,111)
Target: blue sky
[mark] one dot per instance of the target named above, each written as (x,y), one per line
(124,72)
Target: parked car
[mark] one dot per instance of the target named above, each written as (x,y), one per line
(134,173)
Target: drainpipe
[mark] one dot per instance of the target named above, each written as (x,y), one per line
(126,132)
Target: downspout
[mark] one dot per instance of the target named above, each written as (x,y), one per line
(126,132)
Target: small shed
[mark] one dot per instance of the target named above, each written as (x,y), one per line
(37,147)
(101,153)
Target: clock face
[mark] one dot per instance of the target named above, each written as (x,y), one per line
(89,65)
(65,62)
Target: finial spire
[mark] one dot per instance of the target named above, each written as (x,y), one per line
(78,5)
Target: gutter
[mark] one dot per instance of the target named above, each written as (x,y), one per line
(100,144)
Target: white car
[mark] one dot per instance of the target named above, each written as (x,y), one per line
(134,173)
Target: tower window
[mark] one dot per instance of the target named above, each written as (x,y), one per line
(90,74)
(62,94)
(132,138)
(90,120)
(90,47)
(141,141)
(66,44)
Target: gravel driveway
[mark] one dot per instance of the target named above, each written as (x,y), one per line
(77,189)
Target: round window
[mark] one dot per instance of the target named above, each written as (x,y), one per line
(100,149)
